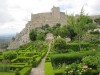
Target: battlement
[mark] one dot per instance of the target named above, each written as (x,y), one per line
(51,18)
(38,20)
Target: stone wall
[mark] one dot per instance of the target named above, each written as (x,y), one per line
(38,20)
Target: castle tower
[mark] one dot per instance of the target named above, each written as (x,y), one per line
(56,12)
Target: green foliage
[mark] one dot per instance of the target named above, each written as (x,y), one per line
(95,32)
(46,26)
(92,61)
(25,71)
(48,68)
(10,55)
(71,33)
(60,31)
(97,20)
(78,69)
(59,45)
(32,35)
(7,73)
(21,59)
(17,72)
(75,46)
(40,36)
(25,46)
(4,68)
(40,45)
(59,71)
(70,57)
(80,25)
(36,62)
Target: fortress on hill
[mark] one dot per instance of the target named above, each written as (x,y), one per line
(38,20)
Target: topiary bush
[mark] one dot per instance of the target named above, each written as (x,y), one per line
(59,45)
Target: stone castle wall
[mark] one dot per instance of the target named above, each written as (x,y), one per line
(38,20)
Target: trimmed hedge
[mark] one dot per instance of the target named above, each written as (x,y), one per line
(7,73)
(25,71)
(75,46)
(70,57)
(48,68)
(36,62)
(21,59)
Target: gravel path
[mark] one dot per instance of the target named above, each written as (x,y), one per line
(39,70)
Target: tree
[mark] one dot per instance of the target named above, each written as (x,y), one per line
(32,35)
(80,25)
(70,33)
(40,36)
(97,21)
(59,45)
(60,31)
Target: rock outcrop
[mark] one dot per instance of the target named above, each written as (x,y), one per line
(38,20)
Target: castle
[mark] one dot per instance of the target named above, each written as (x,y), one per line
(38,20)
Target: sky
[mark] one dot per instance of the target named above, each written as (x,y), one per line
(14,14)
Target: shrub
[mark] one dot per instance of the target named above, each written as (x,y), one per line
(59,45)
(92,61)
(78,69)
(75,46)
(14,67)
(29,54)
(37,61)
(32,35)
(4,68)
(9,55)
(59,71)
(17,72)
(25,71)
(70,57)
(22,59)
(47,59)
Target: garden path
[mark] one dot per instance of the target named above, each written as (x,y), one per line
(39,70)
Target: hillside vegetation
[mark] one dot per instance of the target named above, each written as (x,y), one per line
(74,50)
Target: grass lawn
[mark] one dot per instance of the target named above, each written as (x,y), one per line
(48,68)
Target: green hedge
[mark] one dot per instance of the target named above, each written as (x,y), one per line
(36,61)
(14,67)
(21,59)
(25,71)
(48,68)
(70,57)
(4,68)
(75,46)
(7,73)
(59,71)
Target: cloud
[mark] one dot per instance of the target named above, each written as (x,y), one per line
(14,14)
(4,15)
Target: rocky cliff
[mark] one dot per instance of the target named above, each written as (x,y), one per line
(38,20)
